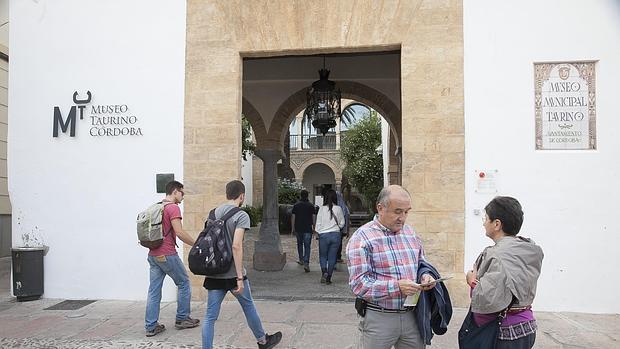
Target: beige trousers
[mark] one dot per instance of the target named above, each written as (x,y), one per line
(383,330)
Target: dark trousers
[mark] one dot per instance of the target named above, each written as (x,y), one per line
(526,342)
(339,254)
(304,239)
(346,233)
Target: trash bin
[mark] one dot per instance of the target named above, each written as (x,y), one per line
(28,273)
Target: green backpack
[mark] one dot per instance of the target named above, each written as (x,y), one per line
(150,226)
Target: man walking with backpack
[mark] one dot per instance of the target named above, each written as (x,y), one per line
(164,260)
(235,279)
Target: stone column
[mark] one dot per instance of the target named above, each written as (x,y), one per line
(268,255)
(337,133)
(299,122)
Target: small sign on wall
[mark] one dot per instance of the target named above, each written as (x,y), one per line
(486,182)
(161,180)
(565,104)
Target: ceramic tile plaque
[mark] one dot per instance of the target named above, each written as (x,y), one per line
(565,102)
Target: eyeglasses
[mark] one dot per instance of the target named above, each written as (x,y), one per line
(181,191)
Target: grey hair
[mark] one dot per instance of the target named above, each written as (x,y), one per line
(384,195)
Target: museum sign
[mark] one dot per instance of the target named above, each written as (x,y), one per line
(110,120)
(565,103)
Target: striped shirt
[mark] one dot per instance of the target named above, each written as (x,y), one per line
(378,258)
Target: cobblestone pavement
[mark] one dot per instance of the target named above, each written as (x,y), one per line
(78,344)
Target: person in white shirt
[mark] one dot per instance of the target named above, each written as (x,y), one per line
(329,221)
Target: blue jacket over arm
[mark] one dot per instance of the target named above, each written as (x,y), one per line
(434,309)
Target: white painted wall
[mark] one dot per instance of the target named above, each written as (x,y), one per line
(246,175)
(385,150)
(570,198)
(81,195)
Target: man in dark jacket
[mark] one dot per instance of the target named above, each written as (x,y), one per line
(302,224)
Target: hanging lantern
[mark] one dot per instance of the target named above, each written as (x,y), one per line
(323,102)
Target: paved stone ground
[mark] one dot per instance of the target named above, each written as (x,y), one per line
(292,282)
(5,277)
(119,324)
(309,314)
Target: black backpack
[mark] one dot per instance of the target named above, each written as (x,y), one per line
(212,251)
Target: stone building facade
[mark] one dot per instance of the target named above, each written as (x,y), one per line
(428,36)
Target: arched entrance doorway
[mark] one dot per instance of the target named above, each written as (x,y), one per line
(267,80)
(317,177)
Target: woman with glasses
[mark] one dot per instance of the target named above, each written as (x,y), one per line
(503,279)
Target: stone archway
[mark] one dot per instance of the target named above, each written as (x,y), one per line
(429,37)
(256,121)
(318,174)
(360,94)
(331,162)
(364,94)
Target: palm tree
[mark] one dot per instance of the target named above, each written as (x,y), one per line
(350,115)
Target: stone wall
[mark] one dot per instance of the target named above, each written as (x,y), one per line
(429,35)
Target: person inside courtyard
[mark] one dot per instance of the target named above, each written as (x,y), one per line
(164,260)
(383,258)
(329,222)
(504,276)
(347,223)
(235,279)
(302,223)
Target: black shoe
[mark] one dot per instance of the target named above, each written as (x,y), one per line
(272,340)
(328,280)
(307,268)
(300,262)
(323,278)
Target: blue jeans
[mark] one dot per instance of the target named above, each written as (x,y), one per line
(328,248)
(304,239)
(160,267)
(214,303)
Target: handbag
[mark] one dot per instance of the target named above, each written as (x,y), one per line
(472,336)
(342,232)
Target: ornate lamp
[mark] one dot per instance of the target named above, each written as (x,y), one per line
(323,102)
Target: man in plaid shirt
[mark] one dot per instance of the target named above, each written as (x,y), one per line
(383,258)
